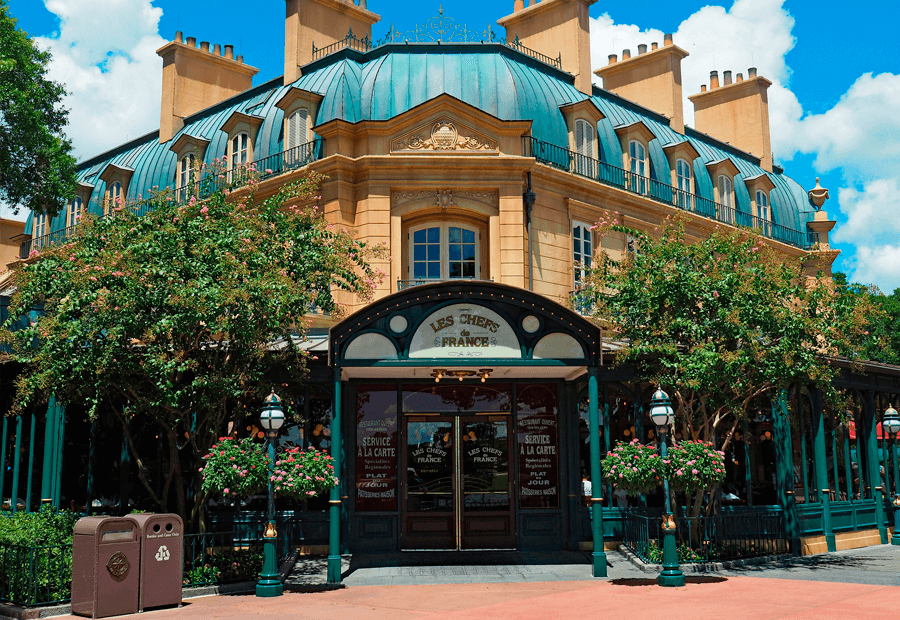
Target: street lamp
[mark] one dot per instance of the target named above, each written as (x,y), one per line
(891,425)
(271,419)
(662,415)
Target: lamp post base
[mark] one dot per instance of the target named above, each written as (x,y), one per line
(598,568)
(333,572)
(269,583)
(671,578)
(267,588)
(895,538)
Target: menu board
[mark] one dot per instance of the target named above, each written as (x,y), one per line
(538,441)
(376,454)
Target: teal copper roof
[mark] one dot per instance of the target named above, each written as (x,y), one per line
(394,78)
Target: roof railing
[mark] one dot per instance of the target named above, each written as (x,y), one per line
(285,161)
(436,30)
(613,176)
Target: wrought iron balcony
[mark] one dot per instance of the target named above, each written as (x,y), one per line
(602,172)
(264,168)
(405,284)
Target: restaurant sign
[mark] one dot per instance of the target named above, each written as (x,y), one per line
(465,331)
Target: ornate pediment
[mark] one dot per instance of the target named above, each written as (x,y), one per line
(444,136)
(444,198)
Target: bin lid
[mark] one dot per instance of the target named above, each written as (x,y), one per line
(146,520)
(91,525)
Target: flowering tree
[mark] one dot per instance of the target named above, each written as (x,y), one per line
(721,321)
(182,315)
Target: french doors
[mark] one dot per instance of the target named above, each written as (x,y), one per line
(457,483)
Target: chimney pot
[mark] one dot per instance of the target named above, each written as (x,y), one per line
(713,80)
(667,40)
(240,59)
(613,59)
(751,72)
(229,52)
(191,41)
(518,5)
(204,46)
(703,88)
(217,49)
(179,37)
(642,49)
(626,54)
(727,76)
(654,46)
(740,77)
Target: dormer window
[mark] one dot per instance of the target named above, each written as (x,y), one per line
(299,107)
(584,147)
(297,128)
(581,119)
(761,201)
(240,151)
(762,210)
(39,229)
(637,161)
(73,211)
(185,177)
(726,198)
(684,184)
(113,197)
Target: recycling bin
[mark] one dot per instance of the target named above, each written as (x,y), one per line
(105,556)
(162,559)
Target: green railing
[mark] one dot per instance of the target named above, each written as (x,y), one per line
(227,557)
(32,576)
(614,176)
(270,166)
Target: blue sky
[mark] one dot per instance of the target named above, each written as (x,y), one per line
(834,104)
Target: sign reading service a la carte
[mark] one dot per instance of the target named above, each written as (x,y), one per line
(465,331)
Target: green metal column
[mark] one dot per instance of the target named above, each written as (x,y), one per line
(748,489)
(58,453)
(3,462)
(30,463)
(16,459)
(784,469)
(334,537)
(895,503)
(818,423)
(871,422)
(49,449)
(599,555)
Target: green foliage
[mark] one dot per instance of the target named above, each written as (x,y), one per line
(633,467)
(236,469)
(224,566)
(36,556)
(694,465)
(882,335)
(36,169)
(721,321)
(184,314)
(302,474)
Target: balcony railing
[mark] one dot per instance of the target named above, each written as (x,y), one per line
(603,172)
(267,167)
(405,284)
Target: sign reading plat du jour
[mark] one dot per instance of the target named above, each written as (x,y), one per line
(465,331)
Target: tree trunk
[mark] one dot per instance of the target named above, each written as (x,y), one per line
(175,473)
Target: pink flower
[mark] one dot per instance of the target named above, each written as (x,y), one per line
(694,471)
(227,491)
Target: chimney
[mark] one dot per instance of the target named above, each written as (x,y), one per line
(737,113)
(651,79)
(320,22)
(195,79)
(556,28)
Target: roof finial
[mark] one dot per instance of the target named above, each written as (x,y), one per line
(441,10)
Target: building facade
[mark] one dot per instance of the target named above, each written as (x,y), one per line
(459,402)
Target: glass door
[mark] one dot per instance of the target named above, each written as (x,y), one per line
(429,501)
(458,486)
(486,517)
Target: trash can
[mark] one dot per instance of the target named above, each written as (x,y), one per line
(162,559)
(105,555)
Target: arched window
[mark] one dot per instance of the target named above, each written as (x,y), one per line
(582,251)
(726,199)
(239,153)
(685,187)
(584,148)
(73,213)
(637,158)
(185,175)
(445,251)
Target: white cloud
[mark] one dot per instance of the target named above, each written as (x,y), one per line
(858,140)
(105,54)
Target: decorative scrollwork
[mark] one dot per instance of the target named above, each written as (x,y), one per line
(439,29)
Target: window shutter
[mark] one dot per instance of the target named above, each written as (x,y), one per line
(588,140)
(301,126)
(579,137)
(292,131)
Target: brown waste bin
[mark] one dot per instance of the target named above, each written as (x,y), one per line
(105,556)
(162,559)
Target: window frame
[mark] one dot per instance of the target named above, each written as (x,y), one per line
(233,143)
(726,198)
(184,174)
(684,195)
(300,140)
(580,266)
(73,212)
(638,178)
(444,251)
(39,229)
(585,153)
(114,193)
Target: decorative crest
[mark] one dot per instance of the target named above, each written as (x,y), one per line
(440,29)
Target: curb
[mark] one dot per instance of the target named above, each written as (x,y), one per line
(705,567)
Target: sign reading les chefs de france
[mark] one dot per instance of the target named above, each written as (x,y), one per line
(465,331)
